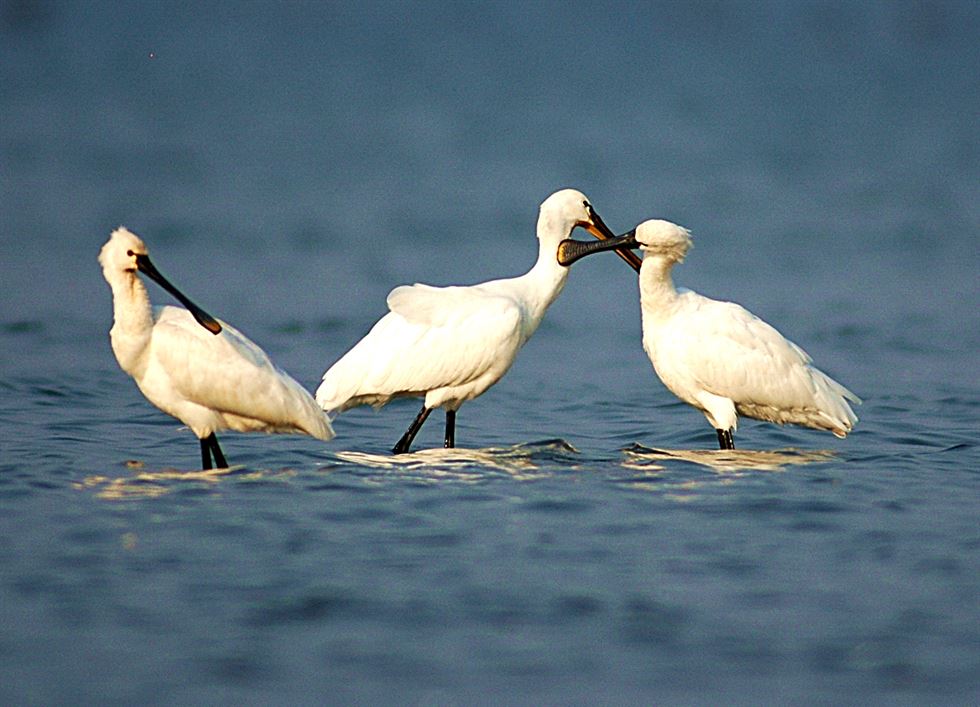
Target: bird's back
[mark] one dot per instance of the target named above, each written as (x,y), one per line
(224,381)
(460,339)
(723,349)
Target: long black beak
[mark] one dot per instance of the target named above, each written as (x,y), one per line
(603,233)
(202,317)
(571,250)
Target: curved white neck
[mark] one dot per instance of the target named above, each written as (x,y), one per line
(535,290)
(132,320)
(547,278)
(656,285)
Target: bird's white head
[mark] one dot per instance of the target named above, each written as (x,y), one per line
(663,238)
(119,253)
(563,211)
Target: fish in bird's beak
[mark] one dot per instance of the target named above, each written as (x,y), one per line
(570,250)
(202,317)
(600,230)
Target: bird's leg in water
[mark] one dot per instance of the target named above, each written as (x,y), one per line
(209,449)
(725,440)
(406,441)
(205,454)
(219,458)
(450,429)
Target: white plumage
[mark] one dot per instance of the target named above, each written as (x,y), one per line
(718,356)
(209,381)
(450,344)
(446,344)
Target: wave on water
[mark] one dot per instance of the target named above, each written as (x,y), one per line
(150,484)
(678,474)
(724,461)
(519,461)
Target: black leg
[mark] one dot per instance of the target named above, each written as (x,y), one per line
(725,439)
(205,454)
(406,441)
(219,458)
(450,429)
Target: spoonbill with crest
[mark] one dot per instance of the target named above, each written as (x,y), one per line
(203,372)
(718,356)
(450,344)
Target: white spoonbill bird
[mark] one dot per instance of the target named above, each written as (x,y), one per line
(718,356)
(201,371)
(449,344)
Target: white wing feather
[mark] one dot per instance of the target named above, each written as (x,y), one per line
(724,349)
(231,375)
(405,351)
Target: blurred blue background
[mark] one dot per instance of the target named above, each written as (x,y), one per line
(351,147)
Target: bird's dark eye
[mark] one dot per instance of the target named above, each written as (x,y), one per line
(130,253)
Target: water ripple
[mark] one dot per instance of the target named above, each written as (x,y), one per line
(723,461)
(521,461)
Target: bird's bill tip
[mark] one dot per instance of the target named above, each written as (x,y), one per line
(207,321)
(568,251)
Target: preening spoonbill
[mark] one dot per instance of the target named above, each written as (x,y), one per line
(718,356)
(203,372)
(449,344)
